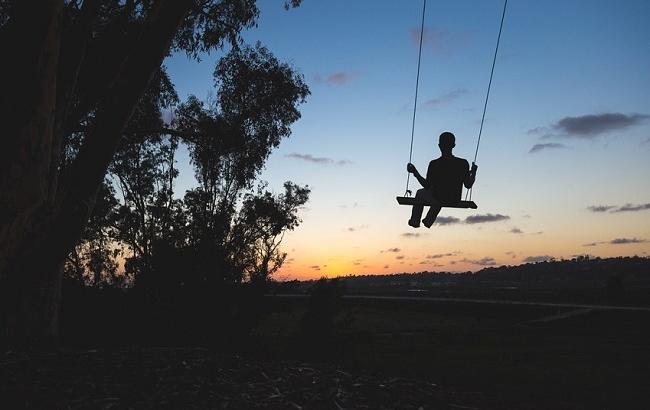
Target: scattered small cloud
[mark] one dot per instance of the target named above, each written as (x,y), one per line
(356,228)
(399,257)
(393,250)
(477,219)
(614,209)
(346,206)
(337,78)
(546,146)
(315,267)
(447,220)
(516,230)
(438,40)
(590,126)
(487,261)
(536,259)
(439,255)
(617,241)
(318,160)
(386,266)
(600,208)
(625,241)
(633,208)
(445,98)
(582,255)
(412,235)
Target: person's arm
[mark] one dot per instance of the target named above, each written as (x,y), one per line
(471,176)
(411,168)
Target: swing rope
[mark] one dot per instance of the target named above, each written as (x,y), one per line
(415,103)
(487,95)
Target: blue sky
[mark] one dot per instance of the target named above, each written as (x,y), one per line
(575,74)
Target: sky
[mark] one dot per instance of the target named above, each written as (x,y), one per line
(564,157)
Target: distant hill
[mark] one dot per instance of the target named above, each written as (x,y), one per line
(619,279)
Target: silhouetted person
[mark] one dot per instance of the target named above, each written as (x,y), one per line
(444,182)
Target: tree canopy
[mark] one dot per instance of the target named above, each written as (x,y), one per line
(83,95)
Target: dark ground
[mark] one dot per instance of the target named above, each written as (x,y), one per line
(380,355)
(184,378)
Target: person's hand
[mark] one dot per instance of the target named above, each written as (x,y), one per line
(474,168)
(411,168)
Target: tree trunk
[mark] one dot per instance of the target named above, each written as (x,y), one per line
(31,41)
(37,230)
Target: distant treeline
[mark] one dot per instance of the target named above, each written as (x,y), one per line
(581,272)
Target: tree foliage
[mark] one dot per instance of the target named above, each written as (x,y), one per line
(222,231)
(83,91)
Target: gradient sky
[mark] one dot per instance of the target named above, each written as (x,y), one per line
(564,159)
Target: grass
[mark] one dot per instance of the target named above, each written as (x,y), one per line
(597,359)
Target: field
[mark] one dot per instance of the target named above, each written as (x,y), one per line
(513,356)
(331,353)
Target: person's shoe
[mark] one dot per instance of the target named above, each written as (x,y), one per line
(428,222)
(415,224)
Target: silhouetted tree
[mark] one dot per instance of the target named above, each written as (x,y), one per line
(93,261)
(77,67)
(260,227)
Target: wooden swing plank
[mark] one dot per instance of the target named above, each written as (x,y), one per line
(407,200)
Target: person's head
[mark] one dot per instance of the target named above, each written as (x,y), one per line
(446,142)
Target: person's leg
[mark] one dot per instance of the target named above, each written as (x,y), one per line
(416,212)
(428,220)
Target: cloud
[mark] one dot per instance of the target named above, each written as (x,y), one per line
(546,146)
(439,255)
(583,255)
(624,208)
(487,261)
(617,241)
(477,219)
(625,241)
(394,250)
(399,257)
(353,205)
(438,40)
(445,98)
(632,208)
(600,208)
(516,230)
(337,78)
(536,259)
(590,126)
(356,228)
(315,267)
(447,220)
(318,160)
(412,235)
(386,266)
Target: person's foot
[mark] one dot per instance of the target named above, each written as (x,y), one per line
(428,222)
(415,224)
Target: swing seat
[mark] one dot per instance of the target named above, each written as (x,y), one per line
(408,200)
